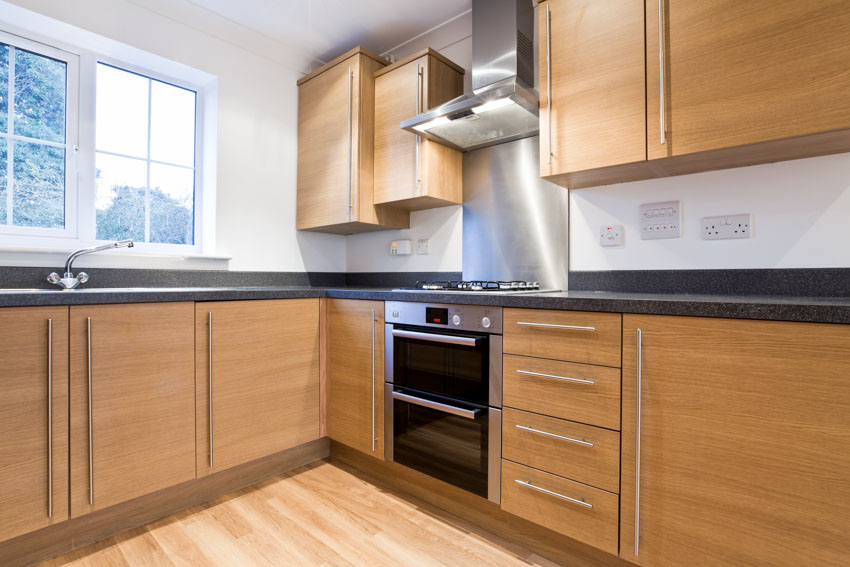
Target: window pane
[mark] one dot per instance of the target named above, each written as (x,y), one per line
(122,112)
(4,87)
(2,181)
(120,198)
(172,124)
(38,192)
(39,97)
(172,204)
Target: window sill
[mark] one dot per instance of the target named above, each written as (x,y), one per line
(119,258)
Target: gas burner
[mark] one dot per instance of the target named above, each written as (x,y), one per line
(475,286)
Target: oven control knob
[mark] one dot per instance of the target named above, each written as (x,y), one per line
(485,322)
(395,313)
(455,320)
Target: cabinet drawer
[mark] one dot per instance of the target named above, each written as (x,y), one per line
(577,392)
(589,455)
(575,336)
(576,510)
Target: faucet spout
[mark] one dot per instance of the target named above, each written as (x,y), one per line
(68,280)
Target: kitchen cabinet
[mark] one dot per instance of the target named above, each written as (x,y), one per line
(257,379)
(592,85)
(336,125)
(734,442)
(132,401)
(411,172)
(33,418)
(356,374)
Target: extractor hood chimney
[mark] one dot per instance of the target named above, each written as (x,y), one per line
(503,104)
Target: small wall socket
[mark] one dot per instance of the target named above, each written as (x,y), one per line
(728,226)
(611,235)
(401,247)
(422,246)
(660,220)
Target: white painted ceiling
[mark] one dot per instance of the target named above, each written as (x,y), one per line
(323,29)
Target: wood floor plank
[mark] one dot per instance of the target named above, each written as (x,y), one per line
(320,515)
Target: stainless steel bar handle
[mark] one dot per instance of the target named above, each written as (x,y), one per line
(547,434)
(350,142)
(373,380)
(552,326)
(435,338)
(661,70)
(555,377)
(445,408)
(50,418)
(639,371)
(211,388)
(549,84)
(91,437)
(528,484)
(418,111)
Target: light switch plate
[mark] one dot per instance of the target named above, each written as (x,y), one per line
(611,235)
(727,226)
(660,220)
(401,247)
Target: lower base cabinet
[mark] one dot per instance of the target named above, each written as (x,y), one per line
(132,401)
(735,443)
(257,372)
(33,418)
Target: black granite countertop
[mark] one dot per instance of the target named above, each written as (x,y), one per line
(782,308)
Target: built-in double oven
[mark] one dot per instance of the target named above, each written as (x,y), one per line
(443,397)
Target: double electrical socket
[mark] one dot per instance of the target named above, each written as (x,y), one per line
(729,226)
(660,220)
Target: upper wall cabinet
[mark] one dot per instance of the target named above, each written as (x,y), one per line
(336,118)
(727,84)
(410,172)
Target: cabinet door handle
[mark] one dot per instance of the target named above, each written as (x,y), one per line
(91,444)
(661,70)
(639,369)
(527,483)
(350,143)
(549,84)
(553,326)
(547,434)
(373,381)
(210,387)
(50,418)
(418,111)
(555,377)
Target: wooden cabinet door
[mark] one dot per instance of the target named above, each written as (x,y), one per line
(33,418)
(327,131)
(265,379)
(132,401)
(738,73)
(743,433)
(356,374)
(595,99)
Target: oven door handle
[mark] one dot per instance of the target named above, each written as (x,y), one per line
(435,338)
(445,408)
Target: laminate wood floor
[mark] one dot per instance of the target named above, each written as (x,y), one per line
(322,514)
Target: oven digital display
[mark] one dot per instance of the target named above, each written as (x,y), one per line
(438,315)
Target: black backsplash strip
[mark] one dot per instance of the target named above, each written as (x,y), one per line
(800,282)
(396,279)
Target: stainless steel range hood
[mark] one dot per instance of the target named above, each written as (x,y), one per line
(503,105)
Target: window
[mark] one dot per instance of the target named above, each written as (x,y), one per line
(145,164)
(99,147)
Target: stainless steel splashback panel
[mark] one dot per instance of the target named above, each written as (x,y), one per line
(515,224)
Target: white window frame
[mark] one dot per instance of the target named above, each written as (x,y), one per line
(44,34)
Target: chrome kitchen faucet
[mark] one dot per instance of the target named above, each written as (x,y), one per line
(68,281)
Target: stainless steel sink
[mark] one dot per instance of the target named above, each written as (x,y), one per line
(26,290)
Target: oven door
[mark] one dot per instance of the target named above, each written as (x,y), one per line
(456,442)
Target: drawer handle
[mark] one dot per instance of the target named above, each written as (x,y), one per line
(555,494)
(553,326)
(564,378)
(547,434)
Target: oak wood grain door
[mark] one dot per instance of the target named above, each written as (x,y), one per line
(33,418)
(739,73)
(265,379)
(592,84)
(744,429)
(132,401)
(356,374)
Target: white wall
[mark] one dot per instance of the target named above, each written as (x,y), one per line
(800,208)
(257,125)
(443,227)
